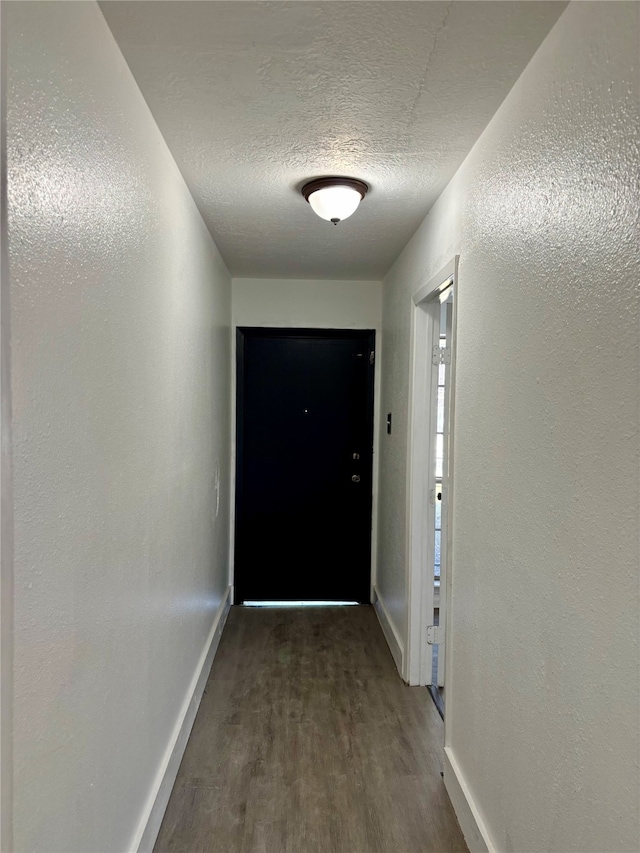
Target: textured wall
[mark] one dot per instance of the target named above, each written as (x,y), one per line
(120,325)
(543,708)
(319,304)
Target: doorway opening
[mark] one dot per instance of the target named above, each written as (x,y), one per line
(430,481)
(304,465)
(443,388)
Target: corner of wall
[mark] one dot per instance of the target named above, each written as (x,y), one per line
(391,633)
(471,822)
(151,819)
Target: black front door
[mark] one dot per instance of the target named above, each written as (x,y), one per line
(304,451)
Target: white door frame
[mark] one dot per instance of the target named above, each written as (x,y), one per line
(299,323)
(425,334)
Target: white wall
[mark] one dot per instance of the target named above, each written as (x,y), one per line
(296,303)
(120,377)
(314,304)
(542,709)
(6,493)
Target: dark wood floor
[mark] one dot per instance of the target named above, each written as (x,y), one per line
(307,741)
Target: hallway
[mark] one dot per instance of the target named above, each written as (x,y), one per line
(159,162)
(307,740)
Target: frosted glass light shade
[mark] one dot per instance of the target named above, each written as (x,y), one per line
(334,199)
(333,203)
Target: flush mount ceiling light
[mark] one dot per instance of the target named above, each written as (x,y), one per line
(334,199)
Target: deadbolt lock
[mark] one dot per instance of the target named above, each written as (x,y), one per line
(355,478)
(356,456)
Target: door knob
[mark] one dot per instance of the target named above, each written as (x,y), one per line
(355,478)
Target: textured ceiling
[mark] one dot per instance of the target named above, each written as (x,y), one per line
(253,98)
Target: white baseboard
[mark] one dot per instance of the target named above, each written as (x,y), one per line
(473,826)
(151,819)
(389,630)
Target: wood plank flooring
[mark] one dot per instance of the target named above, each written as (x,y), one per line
(307,741)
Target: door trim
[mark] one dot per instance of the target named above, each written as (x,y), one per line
(425,330)
(241,333)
